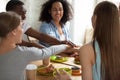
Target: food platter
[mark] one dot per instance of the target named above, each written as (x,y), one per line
(56,58)
(77,60)
(42,70)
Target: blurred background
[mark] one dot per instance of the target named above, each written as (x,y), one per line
(80,26)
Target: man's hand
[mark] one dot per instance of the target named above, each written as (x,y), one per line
(68,43)
(72,50)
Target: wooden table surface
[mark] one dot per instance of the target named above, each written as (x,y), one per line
(58,65)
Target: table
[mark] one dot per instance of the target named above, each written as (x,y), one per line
(58,65)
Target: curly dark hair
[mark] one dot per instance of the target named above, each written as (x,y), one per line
(45,16)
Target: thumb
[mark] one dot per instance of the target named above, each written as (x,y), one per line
(63,72)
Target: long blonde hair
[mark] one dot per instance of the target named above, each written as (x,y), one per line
(107,33)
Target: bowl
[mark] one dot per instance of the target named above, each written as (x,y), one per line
(76,71)
(56,58)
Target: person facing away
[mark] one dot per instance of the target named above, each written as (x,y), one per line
(54,15)
(100,59)
(18,7)
(14,58)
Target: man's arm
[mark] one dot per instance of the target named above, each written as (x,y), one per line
(42,37)
(46,38)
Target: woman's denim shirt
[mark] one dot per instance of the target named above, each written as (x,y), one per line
(51,29)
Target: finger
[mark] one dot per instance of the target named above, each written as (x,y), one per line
(57,73)
(56,78)
(68,43)
(74,54)
(63,72)
(74,45)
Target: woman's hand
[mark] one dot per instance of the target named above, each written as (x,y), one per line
(72,49)
(62,74)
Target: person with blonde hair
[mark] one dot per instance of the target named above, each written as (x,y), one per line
(14,58)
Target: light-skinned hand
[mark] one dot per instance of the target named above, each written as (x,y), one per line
(62,74)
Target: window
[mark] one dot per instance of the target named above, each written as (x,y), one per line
(3,5)
(83,10)
(82,19)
